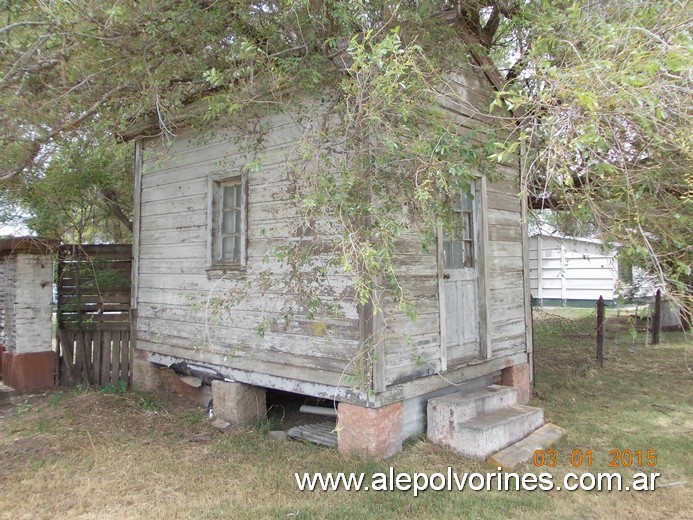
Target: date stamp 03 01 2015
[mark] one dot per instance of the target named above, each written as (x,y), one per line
(584,458)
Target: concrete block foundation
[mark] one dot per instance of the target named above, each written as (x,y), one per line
(151,377)
(237,403)
(145,375)
(370,432)
(518,376)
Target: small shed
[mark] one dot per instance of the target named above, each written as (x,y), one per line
(571,271)
(204,224)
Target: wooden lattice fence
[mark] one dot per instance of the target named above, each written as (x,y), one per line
(93,314)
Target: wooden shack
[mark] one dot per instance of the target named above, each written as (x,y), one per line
(205,226)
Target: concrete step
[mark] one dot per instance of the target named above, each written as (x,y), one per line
(467,404)
(487,433)
(522,452)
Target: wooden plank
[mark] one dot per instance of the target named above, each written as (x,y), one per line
(527,340)
(504,264)
(504,202)
(500,313)
(484,247)
(226,151)
(88,356)
(111,297)
(106,348)
(88,288)
(87,270)
(115,357)
(136,222)
(178,221)
(174,205)
(501,330)
(507,296)
(67,355)
(499,217)
(107,252)
(499,233)
(161,192)
(197,166)
(434,382)
(161,249)
(276,314)
(96,360)
(125,356)
(79,356)
(174,237)
(78,327)
(292,348)
(295,374)
(511,345)
(83,263)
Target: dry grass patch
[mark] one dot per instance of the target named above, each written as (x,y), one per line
(71,454)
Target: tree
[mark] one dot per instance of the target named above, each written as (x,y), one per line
(602,94)
(83,194)
(599,91)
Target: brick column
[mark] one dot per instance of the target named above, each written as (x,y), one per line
(370,432)
(29,361)
(518,376)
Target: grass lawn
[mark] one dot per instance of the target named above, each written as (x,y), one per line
(88,454)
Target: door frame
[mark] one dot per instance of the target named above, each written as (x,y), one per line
(481,250)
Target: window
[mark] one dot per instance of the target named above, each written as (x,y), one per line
(458,249)
(228,223)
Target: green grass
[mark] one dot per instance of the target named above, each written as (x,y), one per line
(91,454)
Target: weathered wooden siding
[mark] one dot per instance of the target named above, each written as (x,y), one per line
(269,332)
(413,351)
(179,310)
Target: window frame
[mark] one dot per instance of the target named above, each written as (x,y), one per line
(216,183)
(466,208)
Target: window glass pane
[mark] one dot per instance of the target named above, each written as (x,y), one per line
(458,254)
(453,254)
(467,203)
(230,196)
(228,248)
(447,254)
(229,223)
(238,196)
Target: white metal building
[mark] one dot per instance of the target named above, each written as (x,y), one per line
(571,271)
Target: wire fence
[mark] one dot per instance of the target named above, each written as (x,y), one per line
(571,334)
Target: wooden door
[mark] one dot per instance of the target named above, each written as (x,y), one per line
(460,314)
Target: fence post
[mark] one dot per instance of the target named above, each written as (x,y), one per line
(657,318)
(600,330)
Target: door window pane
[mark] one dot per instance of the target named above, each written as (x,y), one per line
(453,254)
(458,251)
